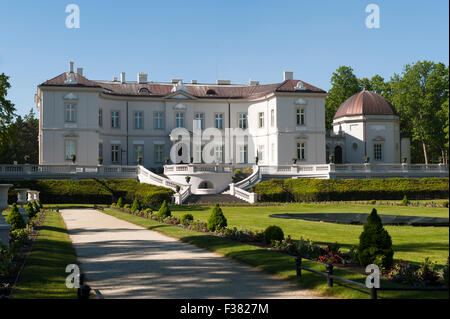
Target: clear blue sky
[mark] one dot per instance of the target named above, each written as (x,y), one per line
(204,40)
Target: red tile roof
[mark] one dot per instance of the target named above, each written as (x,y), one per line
(196,90)
(365,103)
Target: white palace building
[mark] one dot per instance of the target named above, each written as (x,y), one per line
(124,128)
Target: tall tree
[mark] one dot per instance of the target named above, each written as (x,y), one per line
(378,85)
(6,107)
(418,95)
(343,85)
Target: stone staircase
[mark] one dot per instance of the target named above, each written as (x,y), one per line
(213,199)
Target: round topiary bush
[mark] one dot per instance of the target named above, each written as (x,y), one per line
(164,211)
(375,243)
(273,233)
(186,219)
(216,220)
(15,219)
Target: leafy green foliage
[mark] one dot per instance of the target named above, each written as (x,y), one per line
(405,201)
(273,233)
(30,210)
(216,220)
(120,202)
(375,244)
(6,260)
(164,211)
(15,219)
(309,190)
(186,219)
(136,206)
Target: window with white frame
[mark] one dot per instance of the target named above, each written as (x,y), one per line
(179,119)
(219,120)
(70,113)
(243,154)
(159,153)
(261,119)
(100,117)
(138,120)
(199,120)
(218,153)
(115,153)
(272,117)
(115,119)
(159,120)
(261,153)
(242,121)
(300,116)
(138,152)
(301,151)
(70,149)
(378,151)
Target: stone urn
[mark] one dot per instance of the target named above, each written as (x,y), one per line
(22,200)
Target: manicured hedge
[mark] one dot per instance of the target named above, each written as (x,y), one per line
(310,190)
(93,191)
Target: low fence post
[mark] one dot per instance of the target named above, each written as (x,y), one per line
(298,263)
(329,274)
(373,293)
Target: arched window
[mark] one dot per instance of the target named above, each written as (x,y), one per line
(211,92)
(144,91)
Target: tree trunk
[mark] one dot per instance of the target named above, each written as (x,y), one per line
(424,146)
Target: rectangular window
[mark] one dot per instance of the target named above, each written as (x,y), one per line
(138,152)
(100,117)
(378,152)
(100,150)
(70,147)
(159,153)
(261,153)
(261,119)
(70,113)
(218,153)
(243,154)
(301,151)
(138,120)
(179,120)
(273,151)
(115,119)
(219,120)
(115,153)
(272,117)
(199,121)
(242,122)
(300,116)
(159,120)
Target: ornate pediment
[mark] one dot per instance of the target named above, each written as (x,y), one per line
(379,139)
(179,106)
(301,101)
(70,134)
(302,137)
(70,96)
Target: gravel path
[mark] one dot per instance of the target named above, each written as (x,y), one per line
(123,260)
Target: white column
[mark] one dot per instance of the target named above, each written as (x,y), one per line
(4,226)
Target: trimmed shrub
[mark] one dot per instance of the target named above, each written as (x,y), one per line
(186,219)
(37,209)
(375,243)
(405,201)
(31,211)
(126,206)
(308,190)
(15,219)
(120,202)
(216,220)
(136,206)
(164,211)
(40,204)
(273,233)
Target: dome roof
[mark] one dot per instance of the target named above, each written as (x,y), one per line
(365,103)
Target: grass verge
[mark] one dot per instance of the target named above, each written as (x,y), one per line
(273,262)
(44,276)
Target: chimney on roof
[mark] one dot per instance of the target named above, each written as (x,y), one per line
(193,81)
(253,83)
(175,81)
(80,71)
(142,78)
(288,75)
(115,79)
(122,77)
(71,66)
(223,82)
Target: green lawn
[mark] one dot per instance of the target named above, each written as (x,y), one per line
(410,243)
(279,264)
(44,273)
